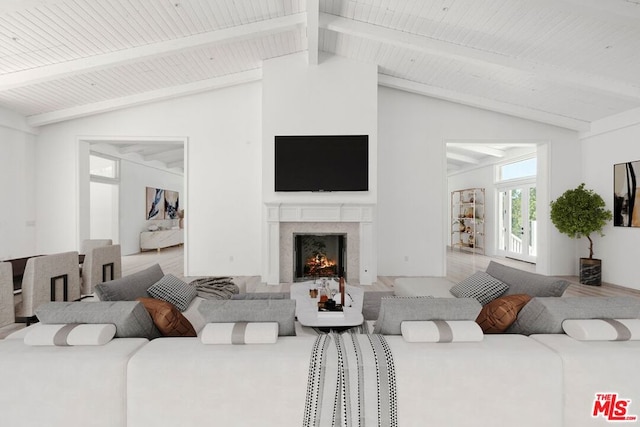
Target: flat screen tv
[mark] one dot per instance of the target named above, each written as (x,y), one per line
(322,163)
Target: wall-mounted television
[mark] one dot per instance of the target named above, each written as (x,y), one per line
(322,163)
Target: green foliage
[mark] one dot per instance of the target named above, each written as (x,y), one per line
(516,209)
(580,212)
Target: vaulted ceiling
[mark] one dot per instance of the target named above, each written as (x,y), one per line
(562,62)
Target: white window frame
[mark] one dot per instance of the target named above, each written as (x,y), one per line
(497,171)
(105,179)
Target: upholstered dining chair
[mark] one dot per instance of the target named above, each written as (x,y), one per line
(101,264)
(48,278)
(89,244)
(7,307)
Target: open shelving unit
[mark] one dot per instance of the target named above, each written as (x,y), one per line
(467,220)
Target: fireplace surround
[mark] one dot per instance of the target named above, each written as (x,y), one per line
(283,220)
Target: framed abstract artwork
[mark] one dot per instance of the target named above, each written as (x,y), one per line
(155,203)
(162,204)
(171,204)
(626,194)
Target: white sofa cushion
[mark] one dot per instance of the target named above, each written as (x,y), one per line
(223,385)
(503,380)
(591,368)
(65,386)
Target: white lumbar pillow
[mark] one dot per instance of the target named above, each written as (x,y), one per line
(240,333)
(602,329)
(441,331)
(70,334)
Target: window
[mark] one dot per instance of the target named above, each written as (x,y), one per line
(103,167)
(517,170)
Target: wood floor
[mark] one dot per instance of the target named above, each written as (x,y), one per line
(460,265)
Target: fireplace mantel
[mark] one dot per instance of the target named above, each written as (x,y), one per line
(328,213)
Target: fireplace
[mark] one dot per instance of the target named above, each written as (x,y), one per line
(353,221)
(319,255)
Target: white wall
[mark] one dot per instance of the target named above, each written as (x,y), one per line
(412,189)
(619,249)
(17,186)
(336,97)
(223,190)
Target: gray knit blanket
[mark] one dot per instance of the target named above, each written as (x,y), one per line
(351,382)
(215,287)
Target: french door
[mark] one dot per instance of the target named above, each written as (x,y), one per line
(517,222)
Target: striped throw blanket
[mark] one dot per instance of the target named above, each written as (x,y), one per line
(351,382)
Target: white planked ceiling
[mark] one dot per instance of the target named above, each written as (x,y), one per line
(563,62)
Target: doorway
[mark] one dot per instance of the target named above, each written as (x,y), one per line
(517,225)
(104,189)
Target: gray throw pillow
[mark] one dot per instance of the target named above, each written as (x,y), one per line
(130,287)
(371,301)
(544,315)
(173,290)
(266,310)
(480,286)
(525,282)
(130,317)
(395,310)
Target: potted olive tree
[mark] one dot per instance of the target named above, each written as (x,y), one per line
(579,213)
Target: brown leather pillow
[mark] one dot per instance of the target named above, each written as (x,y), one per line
(167,318)
(496,316)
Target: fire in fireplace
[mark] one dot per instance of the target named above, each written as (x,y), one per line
(321,255)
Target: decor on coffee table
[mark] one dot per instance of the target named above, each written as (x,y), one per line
(580,212)
(307,307)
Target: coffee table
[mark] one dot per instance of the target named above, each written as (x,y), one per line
(307,307)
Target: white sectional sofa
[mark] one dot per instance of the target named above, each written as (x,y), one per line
(501,379)
(548,380)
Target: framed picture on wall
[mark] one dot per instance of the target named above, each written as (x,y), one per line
(171,204)
(155,203)
(626,197)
